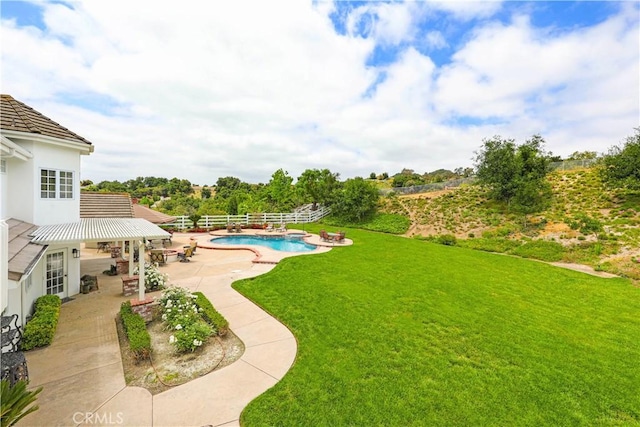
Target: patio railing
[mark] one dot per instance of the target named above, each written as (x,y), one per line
(300,216)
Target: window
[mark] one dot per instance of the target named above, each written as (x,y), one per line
(66,185)
(47,184)
(3,166)
(56,184)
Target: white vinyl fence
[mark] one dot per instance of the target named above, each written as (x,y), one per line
(220,221)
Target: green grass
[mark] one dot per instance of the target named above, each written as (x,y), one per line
(394,331)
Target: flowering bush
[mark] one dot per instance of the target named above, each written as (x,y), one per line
(182,316)
(153,278)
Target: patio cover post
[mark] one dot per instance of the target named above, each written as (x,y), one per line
(131,257)
(141,270)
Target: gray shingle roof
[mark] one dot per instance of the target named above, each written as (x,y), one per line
(105,205)
(23,254)
(19,117)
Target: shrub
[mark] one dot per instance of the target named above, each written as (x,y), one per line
(136,330)
(153,278)
(183,316)
(39,331)
(384,223)
(16,401)
(490,244)
(211,315)
(447,239)
(541,249)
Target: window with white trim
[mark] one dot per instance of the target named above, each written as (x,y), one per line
(3,166)
(47,184)
(66,185)
(56,184)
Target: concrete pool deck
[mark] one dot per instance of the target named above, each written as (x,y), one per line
(82,374)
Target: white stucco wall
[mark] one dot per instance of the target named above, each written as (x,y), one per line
(3,191)
(56,211)
(20,187)
(4,266)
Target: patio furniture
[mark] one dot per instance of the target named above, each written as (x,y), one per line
(116,251)
(238,228)
(339,236)
(157,256)
(324,236)
(230,228)
(104,246)
(269,227)
(10,333)
(186,254)
(14,367)
(88,283)
(282,228)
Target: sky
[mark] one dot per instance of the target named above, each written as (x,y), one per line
(243,88)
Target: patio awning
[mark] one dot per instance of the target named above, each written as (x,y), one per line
(98,230)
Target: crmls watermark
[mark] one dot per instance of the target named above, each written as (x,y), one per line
(105,418)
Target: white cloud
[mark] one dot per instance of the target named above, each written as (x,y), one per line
(435,40)
(466,10)
(245,88)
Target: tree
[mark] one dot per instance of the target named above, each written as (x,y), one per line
(280,191)
(583,155)
(620,167)
(317,186)
(372,175)
(356,201)
(205,193)
(515,171)
(86,183)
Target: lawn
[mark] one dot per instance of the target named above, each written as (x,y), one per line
(396,331)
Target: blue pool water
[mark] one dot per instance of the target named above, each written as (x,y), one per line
(277,242)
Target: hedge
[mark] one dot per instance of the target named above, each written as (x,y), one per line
(136,330)
(211,315)
(39,331)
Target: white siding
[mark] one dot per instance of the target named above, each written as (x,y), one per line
(4,265)
(20,188)
(55,211)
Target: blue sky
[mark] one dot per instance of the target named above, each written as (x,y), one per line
(356,87)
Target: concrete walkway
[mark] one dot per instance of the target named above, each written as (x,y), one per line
(81,371)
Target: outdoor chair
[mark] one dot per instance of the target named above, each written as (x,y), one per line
(324,236)
(269,227)
(193,245)
(11,333)
(186,255)
(238,228)
(104,247)
(339,237)
(230,228)
(282,228)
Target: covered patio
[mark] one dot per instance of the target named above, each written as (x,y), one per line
(122,231)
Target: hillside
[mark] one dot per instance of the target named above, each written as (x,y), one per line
(578,196)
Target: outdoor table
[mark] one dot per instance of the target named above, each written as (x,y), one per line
(14,367)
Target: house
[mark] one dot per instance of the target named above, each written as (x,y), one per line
(40,225)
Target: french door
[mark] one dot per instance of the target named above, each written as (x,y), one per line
(56,274)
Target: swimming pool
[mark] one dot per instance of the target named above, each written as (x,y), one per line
(278,243)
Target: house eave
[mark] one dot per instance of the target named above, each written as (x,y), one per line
(84,147)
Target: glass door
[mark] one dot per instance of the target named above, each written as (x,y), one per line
(56,276)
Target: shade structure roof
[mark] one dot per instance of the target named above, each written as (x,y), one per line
(98,230)
(155,217)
